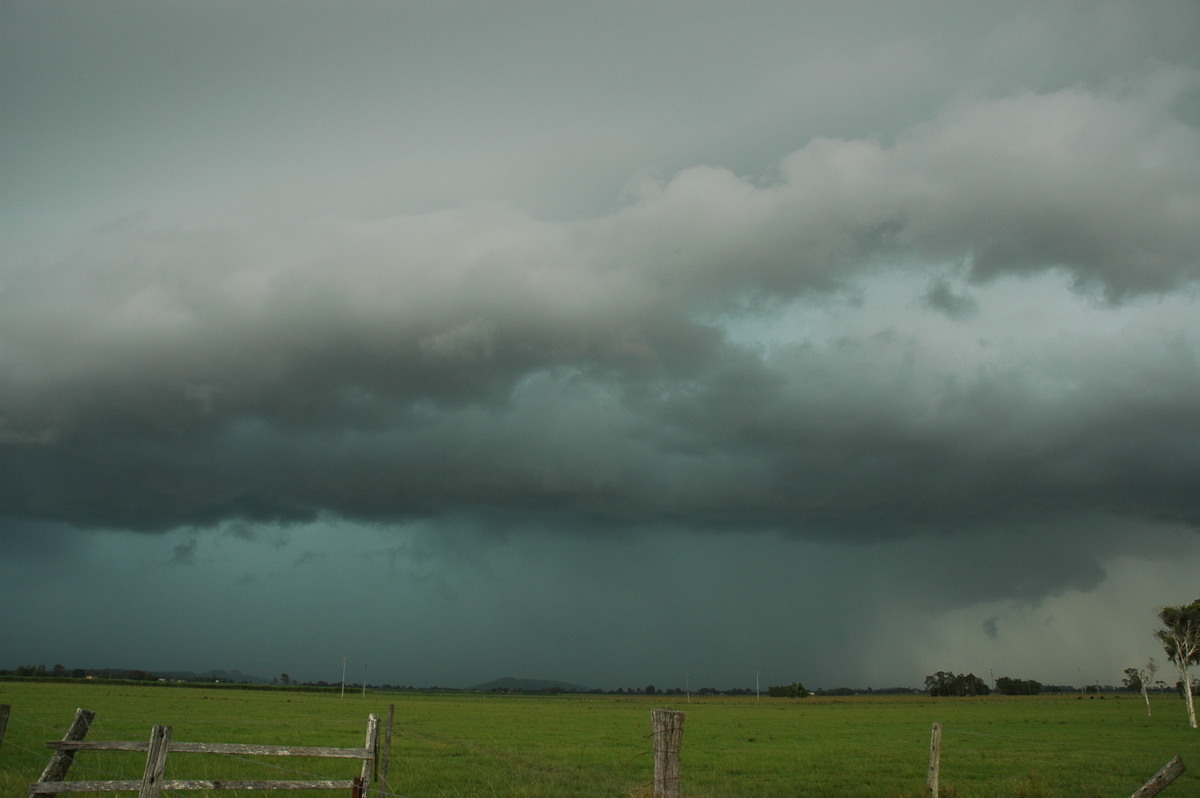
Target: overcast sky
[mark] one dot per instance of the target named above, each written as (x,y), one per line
(609,342)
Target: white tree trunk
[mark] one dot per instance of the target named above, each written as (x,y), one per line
(1146,696)
(1187,691)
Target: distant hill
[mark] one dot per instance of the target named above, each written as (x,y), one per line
(511,685)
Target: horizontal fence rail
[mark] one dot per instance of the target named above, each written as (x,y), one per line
(135,785)
(159,746)
(214,748)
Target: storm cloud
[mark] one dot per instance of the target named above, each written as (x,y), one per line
(479,358)
(934,293)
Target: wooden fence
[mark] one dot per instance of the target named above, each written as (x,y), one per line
(53,779)
(667,733)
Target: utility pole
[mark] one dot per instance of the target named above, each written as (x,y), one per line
(343,677)
(364,680)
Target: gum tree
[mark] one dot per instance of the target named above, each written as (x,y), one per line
(1139,679)
(1145,676)
(1180,637)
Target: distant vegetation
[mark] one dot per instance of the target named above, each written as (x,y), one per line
(128,674)
(793,690)
(229,678)
(944,683)
(1006,685)
(510,684)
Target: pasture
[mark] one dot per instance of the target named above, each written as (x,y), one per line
(462,744)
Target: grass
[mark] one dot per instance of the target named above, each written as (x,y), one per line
(451,744)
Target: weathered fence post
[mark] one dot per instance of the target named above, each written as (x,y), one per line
(4,710)
(371,763)
(61,760)
(668,738)
(1161,779)
(935,758)
(156,762)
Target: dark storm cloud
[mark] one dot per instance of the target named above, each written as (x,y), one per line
(494,312)
(479,359)
(941,296)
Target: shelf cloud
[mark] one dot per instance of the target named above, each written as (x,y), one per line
(923,300)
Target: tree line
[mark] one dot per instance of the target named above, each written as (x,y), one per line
(61,672)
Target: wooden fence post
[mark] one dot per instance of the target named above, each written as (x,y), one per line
(935,759)
(61,760)
(1161,779)
(4,710)
(668,738)
(371,763)
(156,762)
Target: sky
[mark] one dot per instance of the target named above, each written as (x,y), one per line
(617,343)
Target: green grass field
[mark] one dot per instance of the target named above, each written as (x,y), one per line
(452,744)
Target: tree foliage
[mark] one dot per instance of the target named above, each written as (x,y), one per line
(1006,685)
(1180,637)
(793,690)
(1138,680)
(945,683)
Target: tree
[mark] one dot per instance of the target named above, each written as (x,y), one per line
(1006,685)
(793,690)
(1145,676)
(1180,637)
(944,683)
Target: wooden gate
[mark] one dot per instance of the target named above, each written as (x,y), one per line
(53,779)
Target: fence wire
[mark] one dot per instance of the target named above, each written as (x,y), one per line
(969,754)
